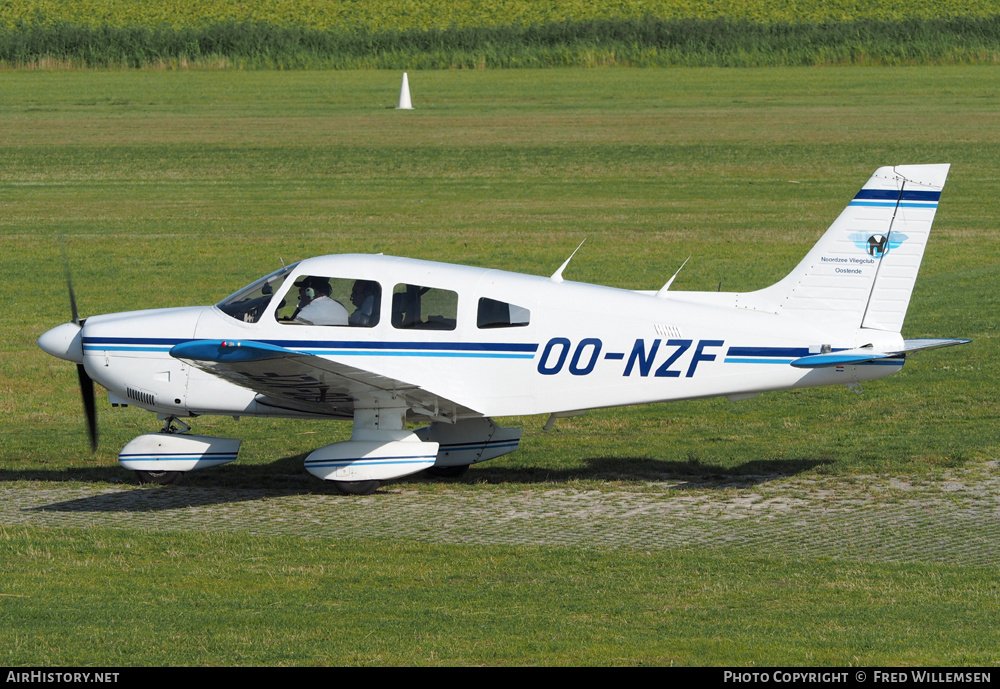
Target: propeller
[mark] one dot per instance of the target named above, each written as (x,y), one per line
(86,383)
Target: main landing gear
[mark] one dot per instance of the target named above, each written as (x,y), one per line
(162,478)
(356,487)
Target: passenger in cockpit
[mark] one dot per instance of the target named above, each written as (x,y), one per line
(365,297)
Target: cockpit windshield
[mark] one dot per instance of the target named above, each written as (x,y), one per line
(249,303)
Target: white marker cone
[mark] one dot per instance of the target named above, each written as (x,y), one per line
(404,95)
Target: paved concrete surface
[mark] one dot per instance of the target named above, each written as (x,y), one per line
(954,518)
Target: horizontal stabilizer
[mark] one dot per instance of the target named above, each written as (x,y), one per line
(842,358)
(863,355)
(910,346)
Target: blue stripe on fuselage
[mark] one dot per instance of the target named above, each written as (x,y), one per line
(490,350)
(766,355)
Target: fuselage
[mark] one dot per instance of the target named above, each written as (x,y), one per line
(498,343)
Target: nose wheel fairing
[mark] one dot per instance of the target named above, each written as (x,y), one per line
(163,452)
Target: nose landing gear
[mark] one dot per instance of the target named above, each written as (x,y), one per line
(163,457)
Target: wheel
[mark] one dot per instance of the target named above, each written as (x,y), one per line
(163,478)
(448,472)
(356,487)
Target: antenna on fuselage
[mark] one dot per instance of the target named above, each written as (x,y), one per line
(663,290)
(557,276)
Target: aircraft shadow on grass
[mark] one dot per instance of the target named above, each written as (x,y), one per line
(285,477)
(679,474)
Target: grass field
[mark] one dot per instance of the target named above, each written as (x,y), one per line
(174,188)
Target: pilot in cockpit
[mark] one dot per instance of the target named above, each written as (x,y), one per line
(316,307)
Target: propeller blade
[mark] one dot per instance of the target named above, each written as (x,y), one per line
(86,383)
(69,287)
(89,407)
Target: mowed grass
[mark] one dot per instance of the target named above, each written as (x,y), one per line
(114,598)
(176,188)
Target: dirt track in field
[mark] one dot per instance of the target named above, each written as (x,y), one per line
(953,518)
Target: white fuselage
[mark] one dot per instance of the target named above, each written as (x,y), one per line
(583,346)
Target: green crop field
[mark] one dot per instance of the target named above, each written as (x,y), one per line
(421,34)
(170,188)
(433,14)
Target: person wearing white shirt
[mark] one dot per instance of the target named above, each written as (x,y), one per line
(315,305)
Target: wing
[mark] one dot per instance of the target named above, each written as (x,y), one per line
(307,382)
(865,354)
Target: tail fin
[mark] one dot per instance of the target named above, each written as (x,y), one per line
(862,270)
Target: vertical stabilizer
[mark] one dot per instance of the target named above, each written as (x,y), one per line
(862,270)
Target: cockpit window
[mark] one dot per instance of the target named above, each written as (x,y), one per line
(322,300)
(249,303)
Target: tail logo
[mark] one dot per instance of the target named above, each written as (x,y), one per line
(878,245)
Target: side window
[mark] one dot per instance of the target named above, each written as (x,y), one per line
(500,314)
(321,300)
(423,308)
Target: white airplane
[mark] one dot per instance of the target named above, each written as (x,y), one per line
(386,341)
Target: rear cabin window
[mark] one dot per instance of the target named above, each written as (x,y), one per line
(500,314)
(415,307)
(322,300)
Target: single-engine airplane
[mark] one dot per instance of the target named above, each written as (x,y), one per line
(385,341)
